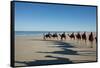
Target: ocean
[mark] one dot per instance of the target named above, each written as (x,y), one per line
(40,33)
(36,33)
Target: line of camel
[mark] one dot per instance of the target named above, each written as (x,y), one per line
(77,36)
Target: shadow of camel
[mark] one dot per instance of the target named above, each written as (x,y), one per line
(58,60)
(62,44)
(64,49)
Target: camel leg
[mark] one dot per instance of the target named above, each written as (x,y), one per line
(61,38)
(49,38)
(65,38)
(79,41)
(91,46)
(85,42)
(82,42)
(53,38)
(74,38)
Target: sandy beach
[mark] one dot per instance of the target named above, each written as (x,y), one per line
(47,34)
(33,51)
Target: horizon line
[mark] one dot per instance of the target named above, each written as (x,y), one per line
(60,31)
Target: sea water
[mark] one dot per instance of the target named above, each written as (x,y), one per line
(37,33)
(41,33)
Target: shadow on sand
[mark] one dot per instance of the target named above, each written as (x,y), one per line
(64,48)
(62,44)
(64,51)
(58,60)
(55,42)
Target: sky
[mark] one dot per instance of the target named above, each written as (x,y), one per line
(53,17)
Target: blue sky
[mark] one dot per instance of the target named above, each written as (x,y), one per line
(50,17)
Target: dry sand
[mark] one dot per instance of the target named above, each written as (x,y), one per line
(30,50)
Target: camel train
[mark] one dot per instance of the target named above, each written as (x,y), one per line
(72,36)
(54,36)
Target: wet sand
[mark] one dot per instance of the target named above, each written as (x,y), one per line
(33,51)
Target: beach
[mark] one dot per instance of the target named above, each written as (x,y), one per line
(34,50)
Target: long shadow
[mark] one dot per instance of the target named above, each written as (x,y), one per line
(58,60)
(64,48)
(62,44)
(64,52)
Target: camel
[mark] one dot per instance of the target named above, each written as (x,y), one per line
(84,36)
(91,39)
(63,36)
(55,36)
(78,36)
(96,39)
(72,36)
(47,36)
